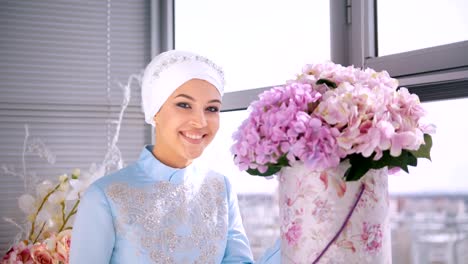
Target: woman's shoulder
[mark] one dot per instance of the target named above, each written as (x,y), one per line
(214,175)
(99,188)
(221,180)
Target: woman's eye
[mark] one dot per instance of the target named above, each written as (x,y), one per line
(183,105)
(213,109)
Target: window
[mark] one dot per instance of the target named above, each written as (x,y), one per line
(366,37)
(412,25)
(258,43)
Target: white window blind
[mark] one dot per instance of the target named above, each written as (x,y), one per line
(60,65)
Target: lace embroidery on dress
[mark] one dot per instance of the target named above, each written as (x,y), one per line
(166,218)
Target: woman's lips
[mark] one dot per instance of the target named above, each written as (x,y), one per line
(192,138)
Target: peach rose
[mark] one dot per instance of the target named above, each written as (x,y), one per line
(41,255)
(62,247)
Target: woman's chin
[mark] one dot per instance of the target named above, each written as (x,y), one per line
(191,155)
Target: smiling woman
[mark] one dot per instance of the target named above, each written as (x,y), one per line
(166,208)
(187,123)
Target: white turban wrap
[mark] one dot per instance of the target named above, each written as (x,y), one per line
(168,71)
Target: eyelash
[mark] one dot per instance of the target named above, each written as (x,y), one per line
(212,109)
(183,105)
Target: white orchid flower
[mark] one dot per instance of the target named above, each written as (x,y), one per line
(57,197)
(79,186)
(27,204)
(44,188)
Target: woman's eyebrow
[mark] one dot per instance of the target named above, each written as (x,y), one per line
(193,99)
(186,96)
(215,101)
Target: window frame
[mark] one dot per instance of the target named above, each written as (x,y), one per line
(354,42)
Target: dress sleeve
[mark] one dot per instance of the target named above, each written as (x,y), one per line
(93,232)
(272,255)
(237,247)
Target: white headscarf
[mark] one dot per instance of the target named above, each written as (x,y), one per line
(168,71)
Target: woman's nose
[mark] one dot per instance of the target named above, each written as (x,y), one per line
(199,120)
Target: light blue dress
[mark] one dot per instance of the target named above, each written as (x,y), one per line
(151,213)
(272,255)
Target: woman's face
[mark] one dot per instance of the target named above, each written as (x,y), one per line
(187,123)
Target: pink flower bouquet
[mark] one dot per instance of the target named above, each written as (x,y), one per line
(47,236)
(20,253)
(53,250)
(330,114)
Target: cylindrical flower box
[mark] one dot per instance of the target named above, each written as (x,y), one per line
(325,219)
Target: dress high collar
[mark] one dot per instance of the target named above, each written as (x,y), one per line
(157,170)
